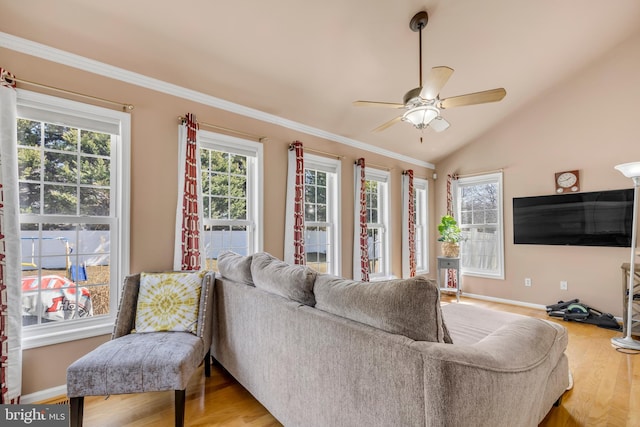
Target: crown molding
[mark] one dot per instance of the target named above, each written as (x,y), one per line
(59,56)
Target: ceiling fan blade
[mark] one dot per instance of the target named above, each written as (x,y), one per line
(377,104)
(492,95)
(387,124)
(436,79)
(439,124)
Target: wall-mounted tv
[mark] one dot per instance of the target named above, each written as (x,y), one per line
(599,218)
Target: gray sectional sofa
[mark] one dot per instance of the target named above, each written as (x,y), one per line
(319,350)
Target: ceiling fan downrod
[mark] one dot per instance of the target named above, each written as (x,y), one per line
(418,22)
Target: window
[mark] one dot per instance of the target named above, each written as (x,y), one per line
(73,163)
(378,230)
(421,188)
(479,213)
(231,171)
(321,214)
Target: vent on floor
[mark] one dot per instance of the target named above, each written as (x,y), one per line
(60,400)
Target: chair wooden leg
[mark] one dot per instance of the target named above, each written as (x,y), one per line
(179,407)
(76,409)
(207,364)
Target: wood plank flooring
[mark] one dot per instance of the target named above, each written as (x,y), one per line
(606,390)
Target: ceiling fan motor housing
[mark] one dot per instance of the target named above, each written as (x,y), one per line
(413,99)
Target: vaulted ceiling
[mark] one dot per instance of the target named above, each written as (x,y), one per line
(307,61)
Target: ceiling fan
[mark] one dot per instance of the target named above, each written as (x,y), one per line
(423,104)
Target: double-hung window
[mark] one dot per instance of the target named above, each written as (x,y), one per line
(378,230)
(231,178)
(479,214)
(421,192)
(73,165)
(322,213)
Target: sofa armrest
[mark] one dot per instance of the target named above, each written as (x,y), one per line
(503,379)
(517,346)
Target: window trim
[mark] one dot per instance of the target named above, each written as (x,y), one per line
(331,166)
(59,332)
(477,180)
(227,143)
(383,177)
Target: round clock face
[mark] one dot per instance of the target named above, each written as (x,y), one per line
(567,180)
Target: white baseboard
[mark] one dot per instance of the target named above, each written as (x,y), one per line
(506,301)
(41,395)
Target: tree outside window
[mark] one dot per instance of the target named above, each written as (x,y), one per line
(73,180)
(229,169)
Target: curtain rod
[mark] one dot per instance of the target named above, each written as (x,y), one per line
(456,176)
(222,128)
(373,165)
(337,156)
(124,106)
(426,178)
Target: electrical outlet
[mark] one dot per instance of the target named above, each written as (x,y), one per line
(563,285)
(527,281)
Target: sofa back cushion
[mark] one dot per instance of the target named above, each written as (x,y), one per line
(235,267)
(294,282)
(409,307)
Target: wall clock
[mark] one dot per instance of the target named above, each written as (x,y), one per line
(568,181)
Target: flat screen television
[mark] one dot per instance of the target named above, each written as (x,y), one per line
(598,218)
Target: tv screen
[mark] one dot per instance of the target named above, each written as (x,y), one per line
(599,218)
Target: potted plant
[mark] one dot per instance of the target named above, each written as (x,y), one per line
(450,236)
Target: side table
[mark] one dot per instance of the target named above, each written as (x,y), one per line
(447,263)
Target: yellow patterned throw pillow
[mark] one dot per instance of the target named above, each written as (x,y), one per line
(168,302)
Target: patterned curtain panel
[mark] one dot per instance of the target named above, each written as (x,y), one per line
(10,268)
(408,225)
(360,243)
(294,223)
(452,281)
(189,223)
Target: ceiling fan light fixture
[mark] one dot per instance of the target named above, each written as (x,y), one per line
(439,124)
(420,117)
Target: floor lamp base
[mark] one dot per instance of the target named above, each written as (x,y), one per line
(626,342)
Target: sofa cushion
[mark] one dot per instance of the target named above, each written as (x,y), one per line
(168,302)
(409,307)
(235,267)
(294,282)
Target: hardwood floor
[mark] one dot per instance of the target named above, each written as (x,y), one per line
(606,390)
